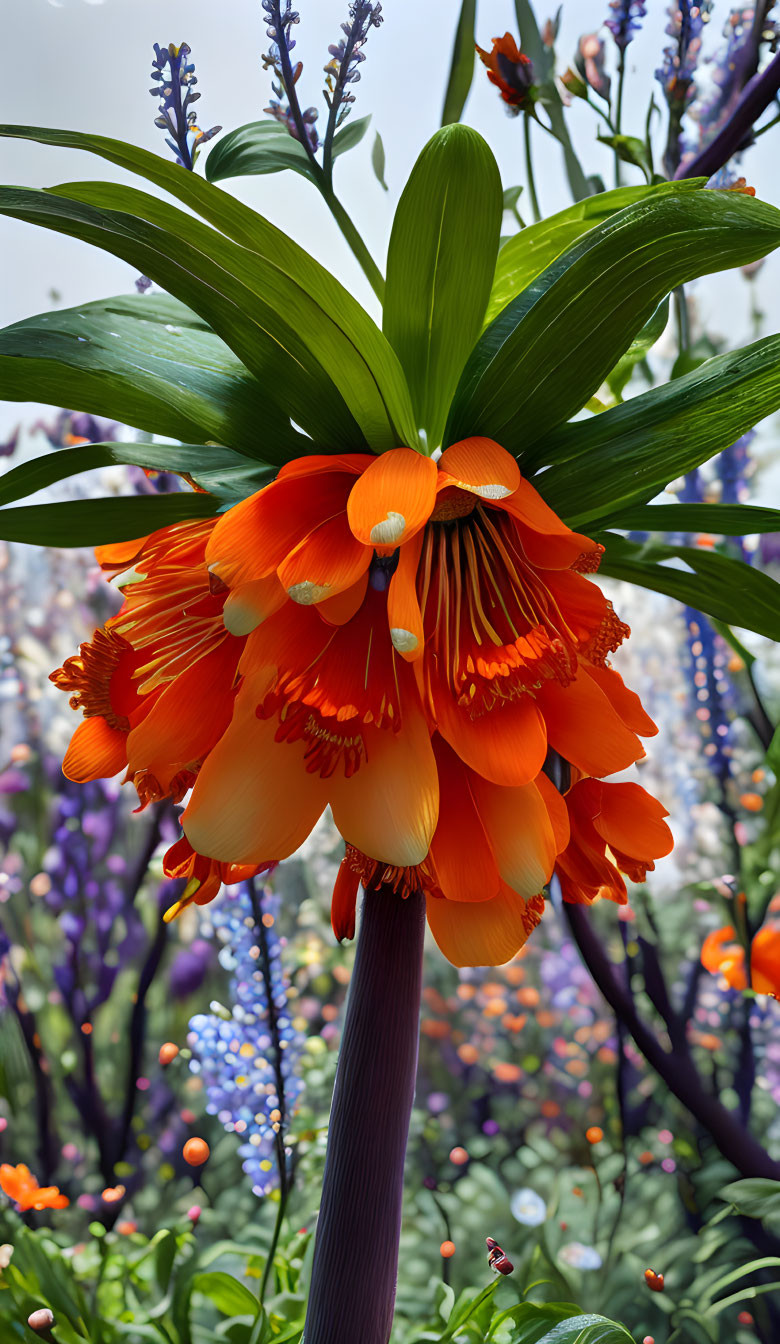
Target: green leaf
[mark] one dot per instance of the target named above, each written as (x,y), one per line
(462,65)
(651,332)
(756,1197)
(378,161)
(528,253)
(229,1295)
(726,520)
(252,231)
(629,149)
(95,522)
(439,267)
(543,61)
(562,1323)
(714,584)
(146,361)
(549,350)
(266,147)
(627,455)
(228,476)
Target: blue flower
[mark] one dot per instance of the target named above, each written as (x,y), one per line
(626,22)
(175,81)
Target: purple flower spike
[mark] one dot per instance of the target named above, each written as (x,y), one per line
(626,22)
(175,77)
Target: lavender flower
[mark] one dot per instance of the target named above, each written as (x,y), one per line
(676,73)
(286,75)
(247,1056)
(347,56)
(626,22)
(175,91)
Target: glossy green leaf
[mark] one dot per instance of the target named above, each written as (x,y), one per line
(652,331)
(95,522)
(546,354)
(529,252)
(253,231)
(626,455)
(756,1197)
(712,583)
(226,475)
(726,520)
(462,64)
(630,149)
(146,361)
(562,1323)
(228,1294)
(440,265)
(266,147)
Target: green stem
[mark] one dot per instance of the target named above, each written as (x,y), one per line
(529,168)
(683,324)
(358,247)
(274,1243)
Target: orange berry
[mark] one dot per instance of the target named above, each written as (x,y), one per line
(745,1318)
(648,1339)
(752,802)
(447,1249)
(459,1157)
(655,1282)
(126,1227)
(594,1134)
(195,1152)
(112,1194)
(168,1053)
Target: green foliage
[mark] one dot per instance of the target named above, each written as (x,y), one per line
(462,66)
(92,522)
(267,147)
(439,267)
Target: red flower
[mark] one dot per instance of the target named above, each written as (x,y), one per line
(510,71)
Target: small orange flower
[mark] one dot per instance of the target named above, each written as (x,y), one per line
(414,643)
(655,1282)
(21,1186)
(723,955)
(510,71)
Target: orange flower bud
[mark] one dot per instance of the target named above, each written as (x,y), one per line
(195,1152)
(655,1282)
(168,1053)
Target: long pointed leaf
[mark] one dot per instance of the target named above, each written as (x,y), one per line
(94,522)
(462,64)
(625,456)
(726,520)
(149,362)
(547,353)
(253,231)
(440,265)
(715,584)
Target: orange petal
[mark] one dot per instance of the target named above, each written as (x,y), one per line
(716,946)
(254,800)
(325,563)
(389,807)
(190,716)
(557,811)
(765,960)
(507,745)
(520,833)
(253,537)
(483,933)
(355,463)
(480,466)
(460,849)
(250,604)
(120,554)
(341,608)
(546,539)
(343,904)
(631,820)
(393,498)
(584,728)
(96,751)
(403,607)
(625,701)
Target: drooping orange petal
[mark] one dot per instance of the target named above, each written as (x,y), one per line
(96,751)
(546,539)
(765,960)
(625,701)
(189,717)
(389,807)
(462,856)
(506,745)
(355,463)
(632,820)
(343,904)
(721,954)
(118,555)
(325,563)
(250,604)
(557,811)
(253,537)
(393,498)
(254,800)
(403,607)
(520,833)
(341,608)
(480,466)
(483,933)
(584,728)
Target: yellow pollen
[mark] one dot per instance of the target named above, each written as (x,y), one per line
(389,531)
(308,592)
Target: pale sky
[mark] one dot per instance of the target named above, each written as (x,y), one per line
(85,65)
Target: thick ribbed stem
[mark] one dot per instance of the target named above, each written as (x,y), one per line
(356,1252)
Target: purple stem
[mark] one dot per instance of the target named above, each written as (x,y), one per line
(675,1067)
(757,94)
(356,1251)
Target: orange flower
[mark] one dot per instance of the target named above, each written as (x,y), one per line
(615,828)
(411,642)
(510,71)
(21,1186)
(723,955)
